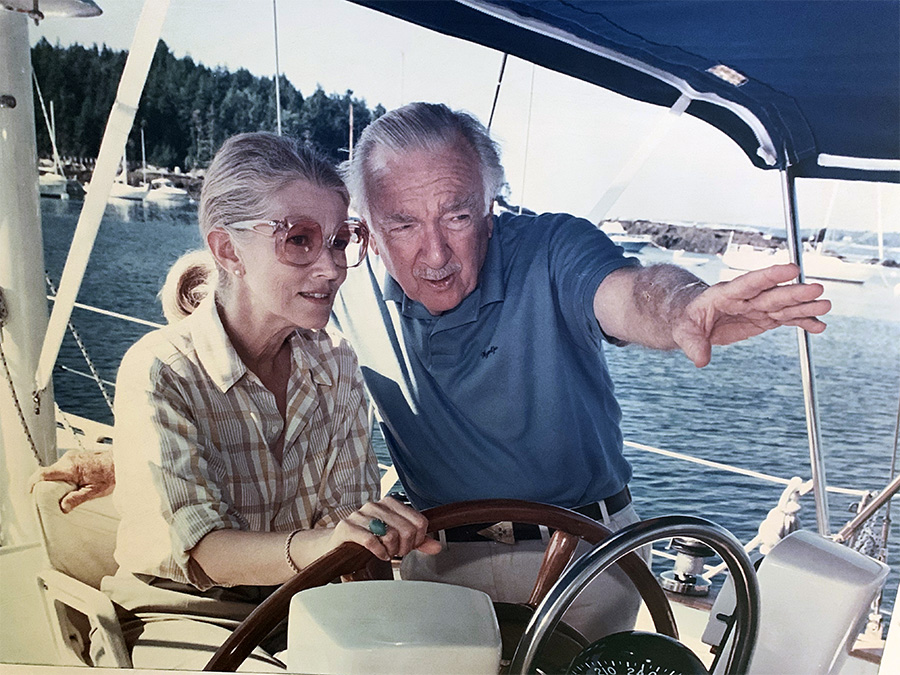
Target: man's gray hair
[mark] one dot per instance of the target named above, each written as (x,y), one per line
(248,169)
(421,126)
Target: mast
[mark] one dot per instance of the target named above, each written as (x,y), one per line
(22,288)
(350,143)
(277,69)
(143,158)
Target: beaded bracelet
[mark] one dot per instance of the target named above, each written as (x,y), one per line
(287,552)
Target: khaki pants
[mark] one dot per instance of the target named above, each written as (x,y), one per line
(507,572)
(170,626)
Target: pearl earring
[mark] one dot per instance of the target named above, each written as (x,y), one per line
(239,273)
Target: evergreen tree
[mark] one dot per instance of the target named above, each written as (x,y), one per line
(187,110)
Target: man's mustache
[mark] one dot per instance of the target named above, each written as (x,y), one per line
(430,274)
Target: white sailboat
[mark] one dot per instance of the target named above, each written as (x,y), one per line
(631,243)
(164,191)
(51,178)
(122,189)
(817,263)
(817,566)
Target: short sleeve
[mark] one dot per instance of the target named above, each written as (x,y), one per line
(580,257)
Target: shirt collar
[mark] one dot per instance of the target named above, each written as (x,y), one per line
(225,367)
(491,288)
(214,348)
(308,351)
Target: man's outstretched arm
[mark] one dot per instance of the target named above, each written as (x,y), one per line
(667,307)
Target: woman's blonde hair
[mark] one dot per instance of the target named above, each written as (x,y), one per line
(248,169)
(190,279)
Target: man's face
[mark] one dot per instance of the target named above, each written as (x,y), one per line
(429,222)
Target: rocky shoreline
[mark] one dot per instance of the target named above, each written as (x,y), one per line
(699,239)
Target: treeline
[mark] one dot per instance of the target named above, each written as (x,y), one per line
(187,109)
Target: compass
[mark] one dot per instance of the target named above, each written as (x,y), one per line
(636,653)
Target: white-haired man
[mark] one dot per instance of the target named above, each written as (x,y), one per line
(481,340)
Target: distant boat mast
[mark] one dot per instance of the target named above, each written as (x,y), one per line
(277,70)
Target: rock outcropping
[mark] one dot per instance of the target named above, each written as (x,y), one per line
(698,239)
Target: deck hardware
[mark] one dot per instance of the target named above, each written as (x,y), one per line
(7,101)
(686,577)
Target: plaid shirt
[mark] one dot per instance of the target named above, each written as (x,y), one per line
(193,433)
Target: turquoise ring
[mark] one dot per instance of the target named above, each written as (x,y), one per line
(378,527)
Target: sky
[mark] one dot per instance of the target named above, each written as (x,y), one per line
(563,141)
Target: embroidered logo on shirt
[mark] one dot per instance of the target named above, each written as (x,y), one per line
(488,352)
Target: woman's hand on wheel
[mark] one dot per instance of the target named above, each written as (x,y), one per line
(404,529)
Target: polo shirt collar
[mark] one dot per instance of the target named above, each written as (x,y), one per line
(221,361)
(491,288)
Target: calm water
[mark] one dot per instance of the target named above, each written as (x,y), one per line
(745,409)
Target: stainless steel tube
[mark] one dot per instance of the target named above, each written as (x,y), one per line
(816,459)
(594,562)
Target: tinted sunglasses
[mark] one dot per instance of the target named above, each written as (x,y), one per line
(299,241)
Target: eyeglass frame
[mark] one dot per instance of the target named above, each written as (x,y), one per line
(283,226)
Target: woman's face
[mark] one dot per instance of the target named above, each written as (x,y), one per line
(285,294)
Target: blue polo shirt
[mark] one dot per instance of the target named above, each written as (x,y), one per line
(507,395)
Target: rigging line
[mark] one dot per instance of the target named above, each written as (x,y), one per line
(638,159)
(886,524)
(497,91)
(60,415)
(527,139)
(12,386)
(17,404)
(51,129)
(734,469)
(115,315)
(84,353)
(81,373)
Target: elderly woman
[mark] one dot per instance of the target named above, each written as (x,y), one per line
(241,447)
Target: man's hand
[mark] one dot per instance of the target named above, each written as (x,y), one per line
(91,472)
(746,306)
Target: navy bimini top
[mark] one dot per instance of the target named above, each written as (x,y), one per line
(507,395)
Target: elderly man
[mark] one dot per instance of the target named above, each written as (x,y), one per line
(482,345)
(481,340)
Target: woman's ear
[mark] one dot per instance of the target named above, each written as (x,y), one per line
(223,250)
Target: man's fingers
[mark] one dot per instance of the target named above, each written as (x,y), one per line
(807,323)
(76,497)
(751,284)
(802,310)
(50,473)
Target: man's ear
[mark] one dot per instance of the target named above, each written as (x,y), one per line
(223,251)
(373,245)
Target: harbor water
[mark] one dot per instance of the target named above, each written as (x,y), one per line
(745,409)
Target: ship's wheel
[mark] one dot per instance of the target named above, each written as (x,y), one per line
(637,652)
(353,562)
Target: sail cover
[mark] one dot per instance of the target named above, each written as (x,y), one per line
(808,84)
